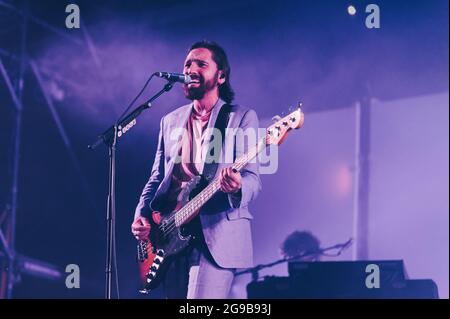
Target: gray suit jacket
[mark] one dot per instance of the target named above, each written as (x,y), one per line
(225,218)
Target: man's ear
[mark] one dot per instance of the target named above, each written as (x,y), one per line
(222,78)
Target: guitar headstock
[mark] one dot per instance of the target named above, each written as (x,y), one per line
(277,132)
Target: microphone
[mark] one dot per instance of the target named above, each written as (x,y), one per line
(174,77)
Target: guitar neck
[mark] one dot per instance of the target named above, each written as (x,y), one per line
(192,208)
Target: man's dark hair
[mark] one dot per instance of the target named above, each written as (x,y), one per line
(219,56)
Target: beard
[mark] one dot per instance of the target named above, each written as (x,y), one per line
(197,93)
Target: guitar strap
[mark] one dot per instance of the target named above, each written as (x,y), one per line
(211,164)
(210,167)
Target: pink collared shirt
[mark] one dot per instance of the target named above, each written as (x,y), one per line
(190,152)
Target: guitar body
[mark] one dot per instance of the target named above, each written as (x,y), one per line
(165,241)
(155,254)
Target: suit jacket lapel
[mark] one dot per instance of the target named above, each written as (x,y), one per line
(180,122)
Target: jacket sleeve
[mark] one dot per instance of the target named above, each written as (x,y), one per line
(156,176)
(250,181)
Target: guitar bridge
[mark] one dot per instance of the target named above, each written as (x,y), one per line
(142,251)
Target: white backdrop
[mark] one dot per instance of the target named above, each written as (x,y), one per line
(409,203)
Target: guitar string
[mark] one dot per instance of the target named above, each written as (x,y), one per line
(183,214)
(186,212)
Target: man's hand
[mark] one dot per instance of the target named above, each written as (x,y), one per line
(141,228)
(230,180)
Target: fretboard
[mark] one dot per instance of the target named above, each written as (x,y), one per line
(192,208)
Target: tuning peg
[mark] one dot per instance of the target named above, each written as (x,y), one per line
(300,104)
(276,118)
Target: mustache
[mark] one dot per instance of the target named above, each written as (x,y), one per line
(196,77)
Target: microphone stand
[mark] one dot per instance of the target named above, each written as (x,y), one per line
(109,137)
(255,270)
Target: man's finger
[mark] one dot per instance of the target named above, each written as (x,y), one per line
(223,173)
(224,186)
(232,184)
(138,237)
(230,179)
(222,177)
(229,188)
(233,181)
(233,175)
(145,221)
(140,228)
(227,183)
(226,173)
(141,233)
